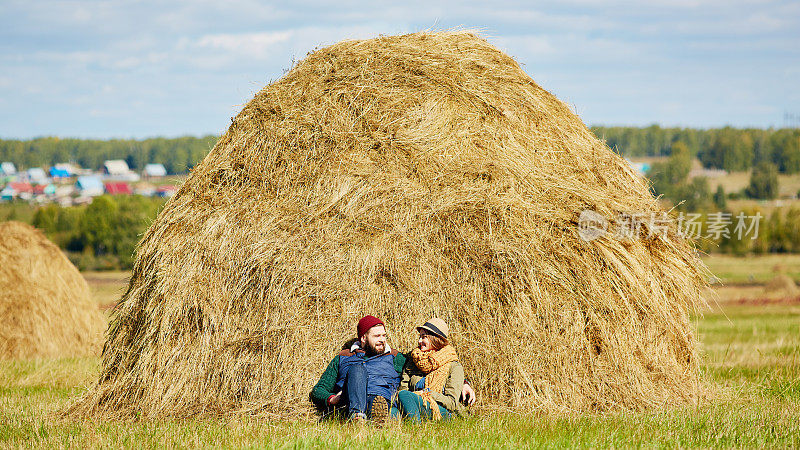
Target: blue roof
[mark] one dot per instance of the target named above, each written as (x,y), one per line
(56,172)
(89,182)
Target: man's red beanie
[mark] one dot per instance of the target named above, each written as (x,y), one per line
(366,323)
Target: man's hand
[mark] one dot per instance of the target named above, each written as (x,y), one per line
(467,394)
(334,399)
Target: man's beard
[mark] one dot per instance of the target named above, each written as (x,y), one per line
(370,350)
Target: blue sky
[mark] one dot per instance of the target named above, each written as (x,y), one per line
(152,68)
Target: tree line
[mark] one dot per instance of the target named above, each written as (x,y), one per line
(731,149)
(177,154)
(670,179)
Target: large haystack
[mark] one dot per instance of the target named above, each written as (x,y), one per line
(403,177)
(45,307)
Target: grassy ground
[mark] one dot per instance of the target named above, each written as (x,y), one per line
(788,185)
(107,287)
(751,353)
(753,269)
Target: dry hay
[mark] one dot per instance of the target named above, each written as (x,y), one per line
(781,284)
(45,306)
(406,177)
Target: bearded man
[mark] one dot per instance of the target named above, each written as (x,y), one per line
(362,379)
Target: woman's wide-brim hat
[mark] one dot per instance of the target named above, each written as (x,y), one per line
(435,326)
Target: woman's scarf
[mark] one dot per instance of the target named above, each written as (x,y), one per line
(435,364)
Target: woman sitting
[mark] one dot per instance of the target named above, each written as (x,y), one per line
(432,377)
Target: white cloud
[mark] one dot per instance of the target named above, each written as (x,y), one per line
(718,24)
(247,43)
(135,62)
(572,49)
(619,60)
(530,45)
(269,52)
(544,22)
(110,59)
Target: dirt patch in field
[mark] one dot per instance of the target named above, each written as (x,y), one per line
(767,301)
(751,294)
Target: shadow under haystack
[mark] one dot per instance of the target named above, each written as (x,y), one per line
(45,306)
(405,177)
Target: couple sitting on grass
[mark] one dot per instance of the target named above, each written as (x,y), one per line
(370,380)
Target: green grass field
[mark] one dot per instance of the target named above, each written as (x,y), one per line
(753,269)
(751,354)
(107,287)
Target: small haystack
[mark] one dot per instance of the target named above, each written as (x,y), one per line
(406,177)
(45,306)
(781,285)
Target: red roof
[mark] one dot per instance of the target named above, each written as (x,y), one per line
(39,189)
(20,186)
(118,188)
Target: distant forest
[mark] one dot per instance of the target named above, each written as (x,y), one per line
(177,154)
(732,149)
